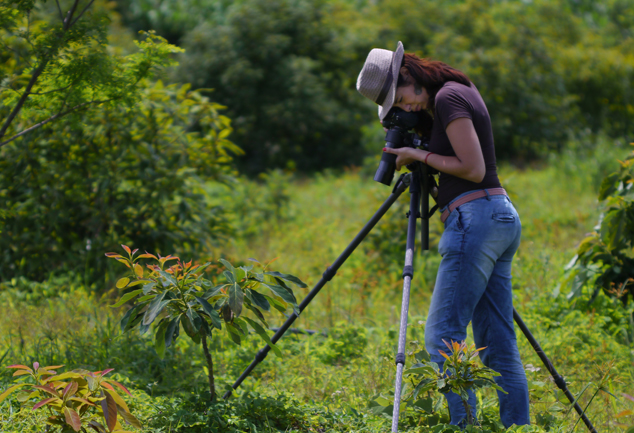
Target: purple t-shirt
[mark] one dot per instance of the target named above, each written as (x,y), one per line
(453,101)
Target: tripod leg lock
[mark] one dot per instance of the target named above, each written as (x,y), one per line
(400,358)
(408,271)
(329,274)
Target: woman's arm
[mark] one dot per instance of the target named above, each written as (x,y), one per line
(467,164)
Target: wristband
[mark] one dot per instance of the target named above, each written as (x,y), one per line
(427,158)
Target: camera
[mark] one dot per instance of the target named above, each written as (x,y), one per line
(398,123)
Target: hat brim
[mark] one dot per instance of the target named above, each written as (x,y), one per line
(397,60)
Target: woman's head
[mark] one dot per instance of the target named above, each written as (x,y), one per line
(392,78)
(420,79)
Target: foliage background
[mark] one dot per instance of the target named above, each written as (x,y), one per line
(257,145)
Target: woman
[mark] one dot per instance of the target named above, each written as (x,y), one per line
(482,228)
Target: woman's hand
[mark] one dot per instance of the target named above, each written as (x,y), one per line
(405,155)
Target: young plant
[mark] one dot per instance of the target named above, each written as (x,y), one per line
(75,400)
(175,296)
(461,373)
(604,258)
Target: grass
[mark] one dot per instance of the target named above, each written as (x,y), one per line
(328,381)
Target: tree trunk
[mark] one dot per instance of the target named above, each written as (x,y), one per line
(210,368)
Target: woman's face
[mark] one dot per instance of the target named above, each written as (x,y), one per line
(411,98)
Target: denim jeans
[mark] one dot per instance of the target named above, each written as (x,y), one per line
(474,285)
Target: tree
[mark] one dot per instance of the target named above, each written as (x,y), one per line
(283,72)
(132,168)
(64,68)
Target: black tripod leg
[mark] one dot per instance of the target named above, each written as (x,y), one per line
(400,186)
(559,380)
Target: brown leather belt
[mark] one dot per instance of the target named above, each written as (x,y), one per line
(470,197)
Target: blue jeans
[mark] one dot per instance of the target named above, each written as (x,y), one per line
(474,285)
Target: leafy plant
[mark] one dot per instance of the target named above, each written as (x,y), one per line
(344,343)
(179,296)
(76,399)
(461,373)
(605,258)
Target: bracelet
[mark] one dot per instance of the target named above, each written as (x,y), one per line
(427,158)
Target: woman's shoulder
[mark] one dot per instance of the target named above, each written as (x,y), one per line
(454,88)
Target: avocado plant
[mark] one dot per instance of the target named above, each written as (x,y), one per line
(166,298)
(75,399)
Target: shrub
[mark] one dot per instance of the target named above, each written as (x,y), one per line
(179,296)
(76,399)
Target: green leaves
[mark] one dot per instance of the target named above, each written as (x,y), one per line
(125,298)
(604,258)
(262,333)
(213,314)
(285,294)
(287,277)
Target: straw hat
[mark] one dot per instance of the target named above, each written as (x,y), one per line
(377,80)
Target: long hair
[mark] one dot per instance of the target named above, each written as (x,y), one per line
(431,74)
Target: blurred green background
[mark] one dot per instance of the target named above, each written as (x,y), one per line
(249,139)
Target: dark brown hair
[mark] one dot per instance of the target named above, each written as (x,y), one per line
(431,74)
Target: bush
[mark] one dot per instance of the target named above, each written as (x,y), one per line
(133,175)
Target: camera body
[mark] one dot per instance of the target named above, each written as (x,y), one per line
(398,122)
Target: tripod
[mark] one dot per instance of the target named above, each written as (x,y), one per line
(418,182)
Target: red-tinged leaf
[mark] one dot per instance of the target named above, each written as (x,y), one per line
(52,367)
(188,265)
(123,388)
(44,402)
(629,397)
(134,252)
(70,389)
(97,427)
(106,371)
(36,366)
(83,401)
(443,354)
(124,261)
(21,373)
(125,247)
(48,373)
(138,270)
(72,418)
(113,255)
(107,385)
(624,413)
(109,408)
(48,389)
(24,367)
(121,404)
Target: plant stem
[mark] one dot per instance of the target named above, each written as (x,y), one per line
(210,368)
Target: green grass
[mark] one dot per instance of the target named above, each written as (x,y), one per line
(327,382)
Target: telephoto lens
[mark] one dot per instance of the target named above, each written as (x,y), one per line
(398,122)
(387,166)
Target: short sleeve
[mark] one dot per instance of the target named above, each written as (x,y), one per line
(452,105)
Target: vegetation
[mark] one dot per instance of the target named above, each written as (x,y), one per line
(182,297)
(107,140)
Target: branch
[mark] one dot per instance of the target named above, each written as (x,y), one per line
(59,9)
(82,12)
(69,15)
(56,116)
(22,99)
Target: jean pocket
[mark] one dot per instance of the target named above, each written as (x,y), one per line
(504,217)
